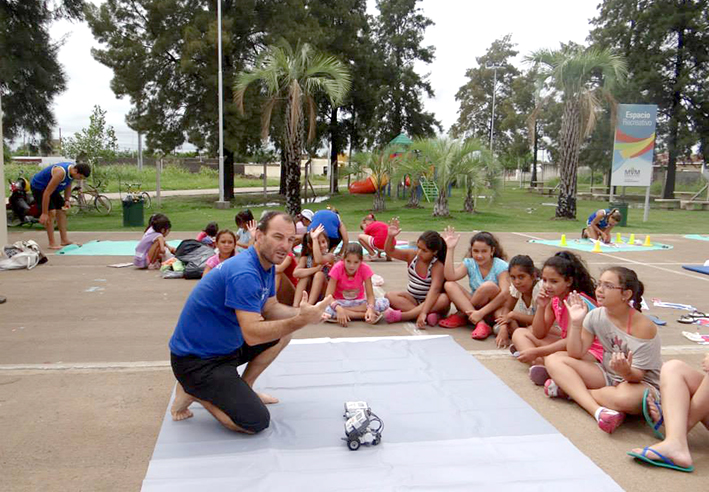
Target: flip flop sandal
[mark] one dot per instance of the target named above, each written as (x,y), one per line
(656,320)
(686,319)
(377,319)
(454,321)
(665,463)
(655,426)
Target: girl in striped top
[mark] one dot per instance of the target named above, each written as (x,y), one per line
(424,299)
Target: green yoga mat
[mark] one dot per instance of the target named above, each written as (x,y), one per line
(587,245)
(697,236)
(105,248)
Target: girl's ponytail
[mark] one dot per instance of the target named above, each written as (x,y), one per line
(569,265)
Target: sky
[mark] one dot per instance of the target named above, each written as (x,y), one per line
(463,30)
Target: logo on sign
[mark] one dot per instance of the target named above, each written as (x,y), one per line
(632,172)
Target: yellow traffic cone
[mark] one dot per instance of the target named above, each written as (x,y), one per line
(563,240)
(632,239)
(618,238)
(647,243)
(596,247)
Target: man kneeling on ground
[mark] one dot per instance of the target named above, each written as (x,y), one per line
(232,318)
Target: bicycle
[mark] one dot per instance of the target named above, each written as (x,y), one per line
(134,192)
(90,198)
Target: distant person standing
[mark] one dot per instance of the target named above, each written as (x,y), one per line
(47,186)
(334,227)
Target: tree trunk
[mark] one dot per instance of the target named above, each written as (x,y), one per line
(294,145)
(378,204)
(440,206)
(536,148)
(228,174)
(282,184)
(668,188)
(469,203)
(414,197)
(569,149)
(334,150)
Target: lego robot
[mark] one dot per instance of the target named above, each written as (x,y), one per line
(362,426)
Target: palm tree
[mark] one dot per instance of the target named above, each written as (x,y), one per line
(380,167)
(451,159)
(580,77)
(411,165)
(480,172)
(293,77)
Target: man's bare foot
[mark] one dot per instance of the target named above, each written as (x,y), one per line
(54,246)
(675,451)
(180,406)
(267,399)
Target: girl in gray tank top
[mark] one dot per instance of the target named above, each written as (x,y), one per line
(631,363)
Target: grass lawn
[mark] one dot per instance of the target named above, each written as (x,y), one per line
(515,210)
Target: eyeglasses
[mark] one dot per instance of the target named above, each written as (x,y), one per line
(608,286)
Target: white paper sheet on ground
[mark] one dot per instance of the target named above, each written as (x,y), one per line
(449,424)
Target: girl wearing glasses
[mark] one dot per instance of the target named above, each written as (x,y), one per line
(630,369)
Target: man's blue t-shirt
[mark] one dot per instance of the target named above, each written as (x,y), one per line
(41,180)
(329,220)
(208,326)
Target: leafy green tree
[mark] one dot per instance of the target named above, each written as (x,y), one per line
(96,144)
(481,172)
(30,73)
(400,27)
(379,165)
(163,57)
(664,43)
(579,77)
(293,77)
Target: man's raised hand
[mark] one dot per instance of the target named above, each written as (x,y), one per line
(311,314)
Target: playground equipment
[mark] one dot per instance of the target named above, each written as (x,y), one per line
(367,185)
(430,189)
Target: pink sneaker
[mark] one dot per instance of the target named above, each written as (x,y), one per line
(538,374)
(392,315)
(610,420)
(432,319)
(553,390)
(481,332)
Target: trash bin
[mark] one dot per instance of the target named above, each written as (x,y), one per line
(133,211)
(623,209)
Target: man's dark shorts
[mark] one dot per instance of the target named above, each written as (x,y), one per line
(56,200)
(217,381)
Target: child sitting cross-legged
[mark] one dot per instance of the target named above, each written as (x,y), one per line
(489,281)
(351,286)
(632,359)
(152,249)
(424,299)
(226,248)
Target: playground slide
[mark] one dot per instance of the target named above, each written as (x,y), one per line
(366,186)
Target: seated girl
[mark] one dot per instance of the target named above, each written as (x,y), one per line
(486,269)
(246,232)
(685,398)
(424,299)
(374,237)
(313,266)
(208,234)
(521,304)
(152,249)
(226,248)
(631,363)
(562,274)
(350,285)
(285,281)
(600,223)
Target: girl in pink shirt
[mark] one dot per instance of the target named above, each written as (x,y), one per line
(351,286)
(226,248)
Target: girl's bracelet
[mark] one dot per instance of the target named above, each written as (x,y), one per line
(370,306)
(334,305)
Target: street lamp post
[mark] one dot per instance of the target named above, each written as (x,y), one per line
(494,90)
(221,203)
(3,215)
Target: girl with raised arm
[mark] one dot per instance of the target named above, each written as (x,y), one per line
(489,280)
(631,362)
(424,299)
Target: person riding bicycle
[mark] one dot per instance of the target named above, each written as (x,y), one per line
(47,186)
